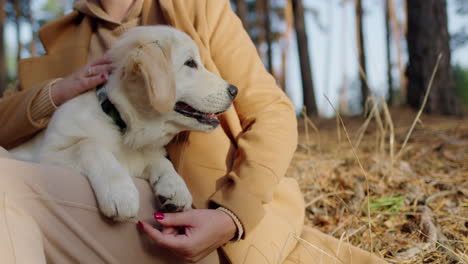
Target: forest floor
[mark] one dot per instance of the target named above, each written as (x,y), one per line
(407,205)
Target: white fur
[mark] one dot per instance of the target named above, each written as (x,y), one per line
(82,137)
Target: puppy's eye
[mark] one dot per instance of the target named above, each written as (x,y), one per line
(191,63)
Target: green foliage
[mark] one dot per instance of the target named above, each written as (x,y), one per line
(386,204)
(53,8)
(461,83)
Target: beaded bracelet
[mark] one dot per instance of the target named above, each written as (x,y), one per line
(240,229)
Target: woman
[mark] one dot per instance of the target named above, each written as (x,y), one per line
(247,211)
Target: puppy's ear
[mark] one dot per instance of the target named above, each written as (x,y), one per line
(153,65)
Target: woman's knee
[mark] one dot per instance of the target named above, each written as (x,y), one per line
(20,177)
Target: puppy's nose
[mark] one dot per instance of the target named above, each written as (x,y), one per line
(232,91)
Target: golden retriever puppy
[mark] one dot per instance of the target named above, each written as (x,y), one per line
(158,89)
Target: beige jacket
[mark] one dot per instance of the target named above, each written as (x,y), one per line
(248,154)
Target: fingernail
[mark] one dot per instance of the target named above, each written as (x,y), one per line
(158,216)
(140,225)
(103,76)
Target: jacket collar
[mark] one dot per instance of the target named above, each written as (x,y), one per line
(61,33)
(94,9)
(57,35)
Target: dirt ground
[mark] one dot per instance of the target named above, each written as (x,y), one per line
(407,204)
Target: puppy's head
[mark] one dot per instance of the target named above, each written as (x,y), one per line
(159,76)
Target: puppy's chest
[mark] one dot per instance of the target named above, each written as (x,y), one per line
(134,161)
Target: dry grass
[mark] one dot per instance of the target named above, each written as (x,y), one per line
(418,199)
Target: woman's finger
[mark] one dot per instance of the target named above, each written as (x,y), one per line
(168,241)
(99,69)
(106,59)
(186,218)
(89,83)
(170,231)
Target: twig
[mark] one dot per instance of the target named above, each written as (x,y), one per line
(312,124)
(364,126)
(439,194)
(446,247)
(325,196)
(432,233)
(426,96)
(427,224)
(411,253)
(363,171)
(340,243)
(338,130)
(378,119)
(389,121)
(306,128)
(356,201)
(357,231)
(341,225)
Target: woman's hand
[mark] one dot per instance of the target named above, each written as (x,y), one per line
(81,81)
(203,232)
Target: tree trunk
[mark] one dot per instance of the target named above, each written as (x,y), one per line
(268,35)
(242,11)
(403,33)
(285,47)
(17,5)
(3,70)
(260,28)
(397,34)
(388,31)
(344,87)
(303,46)
(32,44)
(428,37)
(361,53)
(328,48)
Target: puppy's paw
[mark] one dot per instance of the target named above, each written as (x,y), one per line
(119,200)
(173,194)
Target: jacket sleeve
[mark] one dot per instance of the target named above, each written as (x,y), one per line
(18,123)
(269,137)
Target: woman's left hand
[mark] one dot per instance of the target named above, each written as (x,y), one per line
(204,232)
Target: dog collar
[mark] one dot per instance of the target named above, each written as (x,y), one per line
(109,108)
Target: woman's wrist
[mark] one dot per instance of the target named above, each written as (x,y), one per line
(51,92)
(56,94)
(42,107)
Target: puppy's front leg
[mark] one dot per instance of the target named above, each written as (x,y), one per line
(115,191)
(168,186)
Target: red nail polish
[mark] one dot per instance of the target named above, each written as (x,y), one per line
(103,76)
(140,225)
(158,216)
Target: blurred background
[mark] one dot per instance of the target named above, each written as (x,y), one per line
(345,50)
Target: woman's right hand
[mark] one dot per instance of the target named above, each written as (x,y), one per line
(82,80)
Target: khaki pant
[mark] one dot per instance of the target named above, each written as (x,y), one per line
(49,215)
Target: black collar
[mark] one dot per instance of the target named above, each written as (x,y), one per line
(109,108)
